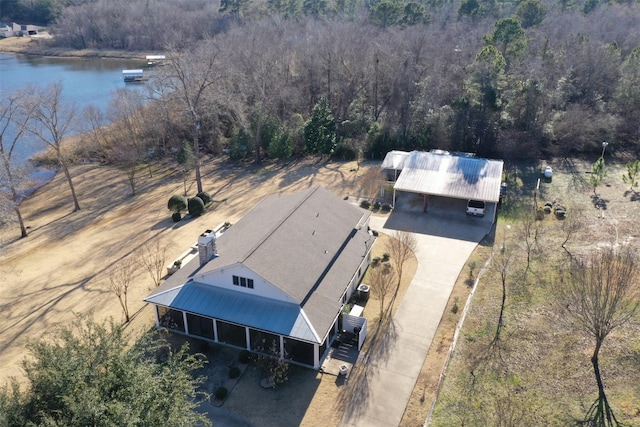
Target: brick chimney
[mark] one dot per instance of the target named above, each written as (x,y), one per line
(207,246)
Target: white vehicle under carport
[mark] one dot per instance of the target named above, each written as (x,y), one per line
(475,207)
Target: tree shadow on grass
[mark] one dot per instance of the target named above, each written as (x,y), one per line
(635,196)
(599,202)
(578,182)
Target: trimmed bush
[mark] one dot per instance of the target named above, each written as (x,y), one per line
(221,393)
(386,207)
(205,197)
(376,205)
(234,372)
(177,203)
(365,204)
(196,206)
(176,216)
(244,356)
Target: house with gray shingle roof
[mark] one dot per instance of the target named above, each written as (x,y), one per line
(279,277)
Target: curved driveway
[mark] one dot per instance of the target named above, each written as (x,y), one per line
(445,240)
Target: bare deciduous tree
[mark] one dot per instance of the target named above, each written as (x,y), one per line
(264,68)
(530,231)
(14,119)
(54,118)
(383,284)
(570,226)
(127,117)
(120,280)
(370,182)
(600,295)
(503,263)
(400,247)
(153,256)
(190,74)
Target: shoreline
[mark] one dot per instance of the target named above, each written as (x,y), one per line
(38,46)
(38,178)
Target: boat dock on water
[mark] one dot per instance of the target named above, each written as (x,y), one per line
(153,60)
(130,76)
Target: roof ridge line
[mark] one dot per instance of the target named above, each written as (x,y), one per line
(275,227)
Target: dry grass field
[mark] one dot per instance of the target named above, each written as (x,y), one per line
(539,372)
(544,370)
(63,266)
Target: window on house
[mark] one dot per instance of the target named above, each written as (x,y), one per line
(243,282)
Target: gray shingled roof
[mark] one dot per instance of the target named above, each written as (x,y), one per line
(461,177)
(304,243)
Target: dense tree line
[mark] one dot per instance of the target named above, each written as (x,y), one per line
(499,79)
(487,86)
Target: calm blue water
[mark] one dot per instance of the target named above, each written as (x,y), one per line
(90,81)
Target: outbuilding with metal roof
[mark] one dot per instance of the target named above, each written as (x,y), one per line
(451,175)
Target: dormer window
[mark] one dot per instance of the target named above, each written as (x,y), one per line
(243,282)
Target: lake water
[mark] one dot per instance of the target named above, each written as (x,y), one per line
(86,81)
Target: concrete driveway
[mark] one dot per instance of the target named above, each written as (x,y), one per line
(445,241)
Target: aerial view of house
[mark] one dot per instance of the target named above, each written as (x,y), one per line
(281,274)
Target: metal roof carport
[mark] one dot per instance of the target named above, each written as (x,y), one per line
(455,176)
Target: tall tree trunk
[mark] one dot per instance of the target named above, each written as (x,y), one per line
(601,413)
(15,198)
(67,174)
(496,338)
(196,152)
(23,229)
(258,139)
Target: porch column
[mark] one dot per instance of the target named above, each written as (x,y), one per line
(155,312)
(215,330)
(281,347)
(316,356)
(247,343)
(186,325)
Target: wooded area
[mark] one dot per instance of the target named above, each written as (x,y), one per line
(502,80)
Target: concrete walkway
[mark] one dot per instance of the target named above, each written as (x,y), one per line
(445,242)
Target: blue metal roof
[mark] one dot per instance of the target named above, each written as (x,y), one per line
(238,307)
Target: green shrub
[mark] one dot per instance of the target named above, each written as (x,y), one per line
(386,207)
(240,145)
(385,257)
(244,356)
(176,216)
(365,204)
(205,197)
(376,205)
(221,393)
(196,206)
(177,203)
(281,146)
(234,372)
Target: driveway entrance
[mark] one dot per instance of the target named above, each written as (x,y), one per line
(444,243)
